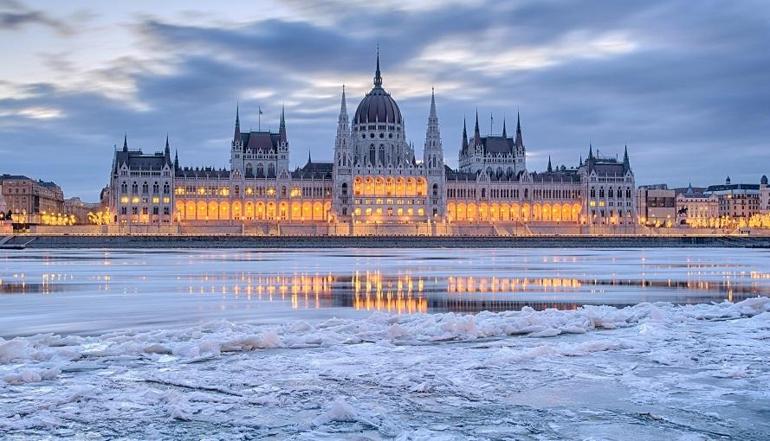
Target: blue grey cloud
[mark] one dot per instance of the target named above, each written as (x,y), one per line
(687,92)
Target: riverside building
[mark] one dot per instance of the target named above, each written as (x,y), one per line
(376,184)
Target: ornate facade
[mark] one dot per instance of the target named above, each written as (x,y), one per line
(375,184)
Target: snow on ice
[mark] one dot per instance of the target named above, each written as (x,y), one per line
(659,371)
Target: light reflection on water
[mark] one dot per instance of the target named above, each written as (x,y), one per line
(93,291)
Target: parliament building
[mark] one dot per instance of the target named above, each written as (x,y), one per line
(376,185)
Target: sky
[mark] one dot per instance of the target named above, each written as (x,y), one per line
(686,85)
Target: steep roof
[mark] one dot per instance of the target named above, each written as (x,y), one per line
(314,170)
(264,141)
(569,175)
(497,145)
(136,160)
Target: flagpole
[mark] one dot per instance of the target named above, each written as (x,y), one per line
(259,129)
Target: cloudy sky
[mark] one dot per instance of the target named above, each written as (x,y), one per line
(685,84)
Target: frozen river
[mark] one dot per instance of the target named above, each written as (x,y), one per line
(385,344)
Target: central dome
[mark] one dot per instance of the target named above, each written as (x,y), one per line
(378,105)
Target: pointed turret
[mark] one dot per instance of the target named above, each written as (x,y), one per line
(176,160)
(343,133)
(519,142)
(464,146)
(505,133)
(237,134)
(476,132)
(309,159)
(626,161)
(550,167)
(125,142)
(590,152)
(282,128)
(433,156)
(167,152)
(343,128)
(377,75)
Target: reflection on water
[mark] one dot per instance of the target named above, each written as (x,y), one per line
(89,290)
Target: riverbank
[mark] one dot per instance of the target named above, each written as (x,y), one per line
(40,241)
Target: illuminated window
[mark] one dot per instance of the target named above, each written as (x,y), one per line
(155,200)
(166,200)
(124,200)
(135,200)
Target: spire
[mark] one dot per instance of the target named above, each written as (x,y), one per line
(550,168)
(377,76)
(626,161)
(505,133)
(519,142)
(125,142)
(464,146)
(476,132)
(167,150)
(590,151)
(176,159)
(237,134)
(282,128)
(309,159)
(433,156)
(432,104)
(343,128)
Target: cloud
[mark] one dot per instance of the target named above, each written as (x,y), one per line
(14,15)
(684,87)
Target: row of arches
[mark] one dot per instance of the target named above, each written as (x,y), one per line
(240,211)
(483,212)
(390,187)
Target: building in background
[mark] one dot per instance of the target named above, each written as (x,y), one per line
(74,207)
(657,205)
(31,201)
(695,209)
(764,196)
(736,200)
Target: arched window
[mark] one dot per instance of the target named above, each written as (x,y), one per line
(593,192)
(134,188)
(372,154)
(601,192)
(124,187)
(249,171)
(271,170)
(166,188)
(155,188)
(260,170)
(611,193)
(435,190)
(344,189)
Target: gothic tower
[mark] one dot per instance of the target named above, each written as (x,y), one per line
(433,161)
(342,162)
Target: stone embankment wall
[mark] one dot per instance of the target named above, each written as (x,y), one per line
(157,241)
